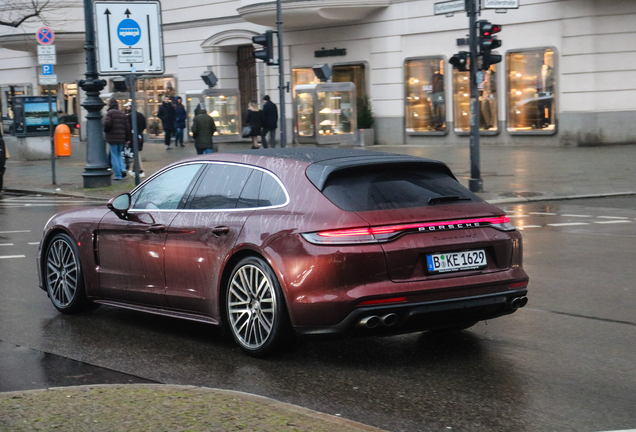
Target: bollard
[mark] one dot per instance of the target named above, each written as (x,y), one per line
(62,140)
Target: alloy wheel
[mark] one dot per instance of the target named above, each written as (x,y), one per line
(251,306)
(61,274)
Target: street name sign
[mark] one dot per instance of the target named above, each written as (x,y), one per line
(449,7)
(501,4)
(129,37)
(46,55)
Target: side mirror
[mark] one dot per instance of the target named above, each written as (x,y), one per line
(120,204)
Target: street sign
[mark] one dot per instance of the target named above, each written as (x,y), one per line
(47,79)
(45,36)
(46,55)
(47,69)
(501,4)
(129,37)
(449,7)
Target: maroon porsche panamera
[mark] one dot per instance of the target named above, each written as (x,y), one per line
(269,243)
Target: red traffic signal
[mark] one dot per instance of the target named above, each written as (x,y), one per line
(487,29)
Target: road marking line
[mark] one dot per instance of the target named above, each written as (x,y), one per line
(568,224)
(573,215)
(15,232)
(33,243)
(518,216)
(7,244)
(529,226)
(543,213)
(612,217)
(12,256)
(613,221)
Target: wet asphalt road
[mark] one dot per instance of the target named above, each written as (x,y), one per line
(565,362)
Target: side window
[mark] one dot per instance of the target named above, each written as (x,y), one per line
(271,193)
(220,187)
(249,196)
(166,190)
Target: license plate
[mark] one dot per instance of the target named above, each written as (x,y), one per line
(456,261)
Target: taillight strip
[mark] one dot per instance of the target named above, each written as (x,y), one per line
(390,229)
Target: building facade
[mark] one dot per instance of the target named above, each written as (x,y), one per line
(565,78)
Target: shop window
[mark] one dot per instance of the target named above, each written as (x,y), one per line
(425,98)
(487,101)
(7,92)
(531,90)
(302,76)
(149,97)
(305,115)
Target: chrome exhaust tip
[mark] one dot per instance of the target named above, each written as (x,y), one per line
(370,322)
(519,302)
(389,320)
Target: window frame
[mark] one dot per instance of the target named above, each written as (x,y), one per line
(404,70)
(184,198)
(195,185)
(556,91)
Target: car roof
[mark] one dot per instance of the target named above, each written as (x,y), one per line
(322,162)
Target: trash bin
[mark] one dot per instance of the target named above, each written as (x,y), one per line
(62,140)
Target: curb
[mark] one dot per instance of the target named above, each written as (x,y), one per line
(558,198)
(133,407)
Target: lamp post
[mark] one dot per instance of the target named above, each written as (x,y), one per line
(96,172)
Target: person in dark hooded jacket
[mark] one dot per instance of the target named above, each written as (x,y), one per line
(117,135)
(203,128)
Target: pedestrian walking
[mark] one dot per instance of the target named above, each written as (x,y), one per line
(203,128)
(117,135)
(141,127)
(179,121)
(270,122)
(167,116)
(4,155)
(255,121)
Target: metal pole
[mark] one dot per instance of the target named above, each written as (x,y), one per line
(281,75)
(133,106)
(96,172)
(475,184)
(51,135)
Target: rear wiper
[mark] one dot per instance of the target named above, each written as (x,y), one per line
(447,198)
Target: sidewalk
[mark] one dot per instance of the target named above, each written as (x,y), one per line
(510,174)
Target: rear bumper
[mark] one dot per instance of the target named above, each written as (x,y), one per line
(424,316)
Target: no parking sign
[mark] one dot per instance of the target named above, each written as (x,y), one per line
(45,36)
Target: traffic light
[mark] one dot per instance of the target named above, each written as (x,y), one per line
(267,53)
(488,42)
(460,61)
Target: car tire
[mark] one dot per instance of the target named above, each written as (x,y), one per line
(63,276)
(255,307)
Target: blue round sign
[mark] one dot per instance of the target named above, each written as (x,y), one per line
(129,32)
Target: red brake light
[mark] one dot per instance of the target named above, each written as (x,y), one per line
(518,284)
(387,232)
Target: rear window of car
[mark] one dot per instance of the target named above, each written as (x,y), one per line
(388,188)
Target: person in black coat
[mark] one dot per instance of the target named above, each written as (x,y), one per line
(167,115)
(270,121)
(4,155)
(255,120)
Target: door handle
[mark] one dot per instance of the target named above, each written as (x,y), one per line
(220,230)
(156,229)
